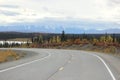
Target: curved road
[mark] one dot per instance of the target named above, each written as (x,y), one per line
(52,64)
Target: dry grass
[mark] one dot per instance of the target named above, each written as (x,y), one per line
(110,49)
(4,55)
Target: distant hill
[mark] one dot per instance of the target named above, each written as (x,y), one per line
(13,35)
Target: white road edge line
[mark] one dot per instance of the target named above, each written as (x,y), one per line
(60,69)
(25,63)
(113,77)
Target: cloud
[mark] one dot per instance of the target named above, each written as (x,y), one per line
(9,10)
(13,14)
(9,13)
(9,6)
(33,10)
(115,2)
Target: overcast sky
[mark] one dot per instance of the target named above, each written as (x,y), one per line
(13,11)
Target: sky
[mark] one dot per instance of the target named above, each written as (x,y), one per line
(30,11)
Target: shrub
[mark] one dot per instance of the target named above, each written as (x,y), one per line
(8,53)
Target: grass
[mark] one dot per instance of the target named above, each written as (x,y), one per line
(8,54)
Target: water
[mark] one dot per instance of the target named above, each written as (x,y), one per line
(14,42)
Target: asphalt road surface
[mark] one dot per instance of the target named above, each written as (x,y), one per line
(52,64)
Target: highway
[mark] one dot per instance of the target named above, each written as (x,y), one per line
(54,64)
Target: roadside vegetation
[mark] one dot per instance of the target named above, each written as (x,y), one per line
(6,55)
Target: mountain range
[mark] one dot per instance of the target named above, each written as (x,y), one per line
(57,26)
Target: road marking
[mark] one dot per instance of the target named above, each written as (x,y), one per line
(60,69)
(21,65)
(113,77)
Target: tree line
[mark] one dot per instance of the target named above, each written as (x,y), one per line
(54,40)
(77,39)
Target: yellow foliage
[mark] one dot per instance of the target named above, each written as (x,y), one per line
(103,39)
(108,39)
(95,41)
(5,54)
(58,39)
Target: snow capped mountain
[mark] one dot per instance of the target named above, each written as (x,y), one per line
(69,26)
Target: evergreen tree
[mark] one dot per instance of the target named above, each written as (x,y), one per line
(113,37)
(63,36)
